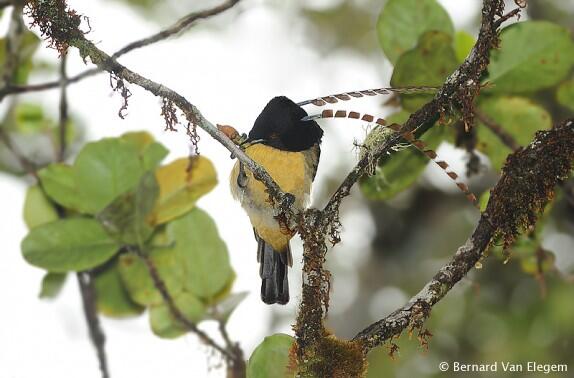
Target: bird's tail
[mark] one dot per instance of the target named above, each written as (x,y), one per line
(273,271)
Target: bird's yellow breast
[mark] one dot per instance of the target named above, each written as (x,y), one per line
(292,171)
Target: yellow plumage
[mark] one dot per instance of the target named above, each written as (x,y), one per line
(292,171)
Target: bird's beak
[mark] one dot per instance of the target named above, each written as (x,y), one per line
(249,143)
(311,117)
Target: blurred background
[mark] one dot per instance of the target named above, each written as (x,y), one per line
(229,66)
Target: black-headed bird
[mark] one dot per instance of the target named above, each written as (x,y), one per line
(288,148)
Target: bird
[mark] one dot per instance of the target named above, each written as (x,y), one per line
(288,147)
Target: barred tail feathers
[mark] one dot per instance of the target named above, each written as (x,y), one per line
(408,136)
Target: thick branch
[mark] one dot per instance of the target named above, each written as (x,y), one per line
(526,185)
(315,293)
(57,29)
(96,333)
(418,308)
(460,89)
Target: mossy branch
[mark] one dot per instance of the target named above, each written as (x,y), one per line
(459,91)
(315,227)
(55,19)
(177,28)
(527,184)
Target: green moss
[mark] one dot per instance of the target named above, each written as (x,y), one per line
(334,358)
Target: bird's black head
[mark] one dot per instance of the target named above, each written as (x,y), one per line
(279,125)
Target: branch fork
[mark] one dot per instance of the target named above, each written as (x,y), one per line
(314,343)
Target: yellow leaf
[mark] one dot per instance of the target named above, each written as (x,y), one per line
(140,138)
(179,189)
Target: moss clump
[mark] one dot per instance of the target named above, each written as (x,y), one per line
(334,358)
(58,24)
(528,180)
(378,136)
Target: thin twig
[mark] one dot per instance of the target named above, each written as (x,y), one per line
(237,367)
(27,165)
(11,52)
(180,26)
(104,62)
(504,137)
(232,352)
(88,293)
(13,43)
(19,89)
(63,121)
(223,330)
(533,172)
(159,284)
(509,15)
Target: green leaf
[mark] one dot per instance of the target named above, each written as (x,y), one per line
(202,252)
(402,168)
(402,22)
(565,94)
(73,244)
(180,189)
(113,299)
(137,279)
(534,55)
(225,308)
(126,217)
(428,64)
(30,132)
(59,183)
(145,5)
(535,265)
(52,284)
(104,170)
(483,200)
(271,357)
(518,116)
(463,43)
(38,210)
(151,152)
(28,45)
(29,118)
(164,324)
